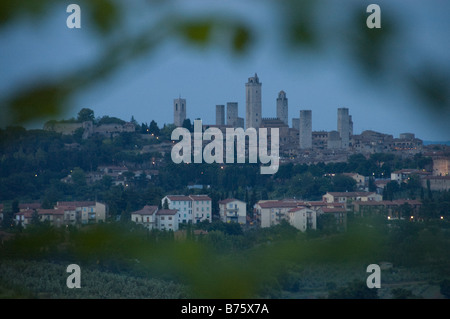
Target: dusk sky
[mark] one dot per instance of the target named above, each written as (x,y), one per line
(321,82)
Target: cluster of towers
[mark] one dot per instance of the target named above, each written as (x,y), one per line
(339,139)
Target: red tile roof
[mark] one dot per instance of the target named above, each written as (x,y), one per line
(178,198)
(229,200)
(333,210)
(50,211)
(200,197)
(26,206)
(166,212)
(279,204)
(351,194)
(147,210)
(76,204)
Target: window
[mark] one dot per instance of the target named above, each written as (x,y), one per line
(170,218)
(148,219)
(162,217)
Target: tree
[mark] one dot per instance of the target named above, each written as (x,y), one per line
(85,114)
(445,287)
(153,128)
(166,204)
(78,177)
(188,125)
(354,290)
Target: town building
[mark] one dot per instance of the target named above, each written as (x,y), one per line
(253,107)
(233,210)
(64,214)
(344,197)
(191,208)
(297,213)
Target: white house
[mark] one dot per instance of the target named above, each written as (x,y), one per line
(145,216)
(297,213)
(302,218)
(343,197)
(192,208)
(233,210)
(86,212)
(166,219)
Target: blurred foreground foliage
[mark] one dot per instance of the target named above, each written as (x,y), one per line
(320,26)
(255,263)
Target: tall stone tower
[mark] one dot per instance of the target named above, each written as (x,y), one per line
(296,123)
(253,102)
(343,126)
(282,107)
(305,129)
(220,114)
(232,113)
(179,111)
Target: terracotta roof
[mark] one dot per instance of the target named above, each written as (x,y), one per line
(229,200)
(147,210)
(26,213)
(178,197)
(76,204)
(351,194)
(295,209)
(200,197)
(278,203)
(50,212)
(333,210)
(166,212)
(29,206)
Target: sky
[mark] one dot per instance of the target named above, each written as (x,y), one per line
(146,88)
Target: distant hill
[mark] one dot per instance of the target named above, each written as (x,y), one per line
(436,142)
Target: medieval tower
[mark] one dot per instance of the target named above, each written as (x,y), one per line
(305,129)
(343,126)
(220,114)
(282,107)
(253,102)
(179,111)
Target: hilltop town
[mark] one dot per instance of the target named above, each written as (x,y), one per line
(108,179)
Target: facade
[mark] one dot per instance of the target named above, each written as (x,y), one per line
(282,107)
(296,123)
(84,212)
(179,111)
(192,208)
(441,166)
(233,119)
(166,219)
(90,129)
(253,102)
(305,129)
(343,126)
(297,213)
(343,197)
(436,183)
(64,214)
(233,210)
(302,218)
(153,218)
(145,216)
(220,114)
